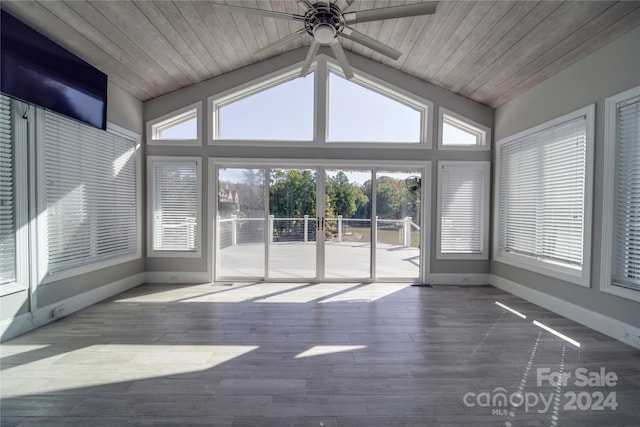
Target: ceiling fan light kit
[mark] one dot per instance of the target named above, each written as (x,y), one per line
(325,22)
(324,33)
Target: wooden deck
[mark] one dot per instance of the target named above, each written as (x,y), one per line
(297,260)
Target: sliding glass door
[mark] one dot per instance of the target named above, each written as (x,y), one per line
(292,224)
(317,223)
(347,234)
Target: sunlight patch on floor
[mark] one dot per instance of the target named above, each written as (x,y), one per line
(321,350)
(367,293)
(309,293)
(104,364)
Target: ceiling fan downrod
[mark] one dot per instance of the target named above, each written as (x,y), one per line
(324,22)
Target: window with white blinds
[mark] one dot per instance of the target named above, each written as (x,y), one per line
(621,219)
(463,202)
(175,205)
(544,184)
(91,194)
(626,254)
(7,196)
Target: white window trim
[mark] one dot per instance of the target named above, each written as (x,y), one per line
(42,251)
(475,127)
(579,277)
(608,196)
(170,117)
(151,253)
(486,170)
(20,142)
(233,162)
(393,92)
(323,65)
(215,102)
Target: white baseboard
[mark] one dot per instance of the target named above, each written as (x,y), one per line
(621,331)
(26,322)
(176,277)
(458,279)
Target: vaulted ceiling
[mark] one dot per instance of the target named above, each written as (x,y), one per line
(489,51)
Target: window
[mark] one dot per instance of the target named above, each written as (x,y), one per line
(621,218)
(543,197)
(14,233)
(278,109)
(8,270)
(457,132)
(174,201)
(90,193)
(361,111)
(180,127)
(463,210)
(319,109)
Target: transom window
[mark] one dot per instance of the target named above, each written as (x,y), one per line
(457,132)
(361,111)
(180,127)
(280,109)
(320,108)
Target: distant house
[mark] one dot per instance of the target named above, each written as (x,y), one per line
(228,202)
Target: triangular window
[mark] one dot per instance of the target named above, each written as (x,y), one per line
(276,110)
(458,132)
(180,127)
(363,111)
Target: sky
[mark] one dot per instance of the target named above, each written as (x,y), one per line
(285,112)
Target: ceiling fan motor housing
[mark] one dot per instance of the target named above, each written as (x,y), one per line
(324,22)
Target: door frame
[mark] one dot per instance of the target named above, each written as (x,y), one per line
(214,163)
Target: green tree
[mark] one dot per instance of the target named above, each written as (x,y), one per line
(292,193)
(345,197)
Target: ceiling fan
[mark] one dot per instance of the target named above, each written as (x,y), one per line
(325,21)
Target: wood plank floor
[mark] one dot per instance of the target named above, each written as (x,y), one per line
(313,355)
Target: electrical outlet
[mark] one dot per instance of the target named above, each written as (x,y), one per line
(59,311)
(632,339)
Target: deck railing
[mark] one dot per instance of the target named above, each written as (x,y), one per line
(305,227)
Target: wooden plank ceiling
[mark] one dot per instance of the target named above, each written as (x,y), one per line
(489,51)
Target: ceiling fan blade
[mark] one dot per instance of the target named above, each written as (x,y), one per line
(349,3)
(372,44)
(305,4)
(260,12)
(286,39)
(368,15)
(336,47)
(313,50)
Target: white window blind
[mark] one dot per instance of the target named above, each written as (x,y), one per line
(463,194)
(542,194)
(176,195)
(626,238)
(90,194)
(7,196)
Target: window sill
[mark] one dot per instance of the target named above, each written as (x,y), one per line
(88,268)
(567,274)
(621,292)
